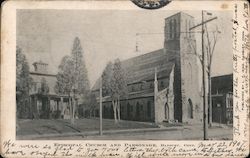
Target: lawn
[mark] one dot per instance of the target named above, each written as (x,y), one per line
(45,126)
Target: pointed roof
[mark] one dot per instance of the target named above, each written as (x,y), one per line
(142,68)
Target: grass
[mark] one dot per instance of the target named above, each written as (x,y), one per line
(45,126)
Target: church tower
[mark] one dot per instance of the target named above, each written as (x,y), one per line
(180,47)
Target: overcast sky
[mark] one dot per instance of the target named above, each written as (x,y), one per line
(48,35)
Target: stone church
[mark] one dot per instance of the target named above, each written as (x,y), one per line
(163,85)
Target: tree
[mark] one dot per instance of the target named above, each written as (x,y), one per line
(23,84)
(115,85)
(72,76)
(92,104)
(88,105)
(209,48)
(211,43)
(106,79)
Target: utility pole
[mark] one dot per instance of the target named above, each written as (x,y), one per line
(100,111)
(205,120)
(204,76)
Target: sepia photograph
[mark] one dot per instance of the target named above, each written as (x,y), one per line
(124,75)
(124,79)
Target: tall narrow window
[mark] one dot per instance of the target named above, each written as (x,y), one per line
(137,117)
(175,33)
(128,111)
(167,31)
(137,109)
(151,85)
(171,29)
(142,86)
(162,84)
(166,111)
(190,109)
(149,109)
(132,89)
(191,73)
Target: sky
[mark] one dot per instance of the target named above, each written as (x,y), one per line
(105,35)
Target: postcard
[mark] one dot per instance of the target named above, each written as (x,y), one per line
(133,79)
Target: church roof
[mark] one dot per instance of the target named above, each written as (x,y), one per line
(142,68)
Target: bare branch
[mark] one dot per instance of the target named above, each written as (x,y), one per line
(190,42)
(215,35)
(208,40)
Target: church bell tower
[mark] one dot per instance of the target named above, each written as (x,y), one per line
(180,47)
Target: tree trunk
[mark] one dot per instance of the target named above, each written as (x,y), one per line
(118,109)
(115,109)
(210,98)
(71,110)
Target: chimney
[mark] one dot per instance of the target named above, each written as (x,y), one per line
(40,67)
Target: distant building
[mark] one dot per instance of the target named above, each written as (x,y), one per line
(222,99)
(163,84)
(49,105)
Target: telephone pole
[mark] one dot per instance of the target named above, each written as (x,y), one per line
(204,76)
(205,120)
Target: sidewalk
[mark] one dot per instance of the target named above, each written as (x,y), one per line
(167,133)
(128,130)
(96,133)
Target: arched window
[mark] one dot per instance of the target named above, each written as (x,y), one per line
(190,108)
(175,33)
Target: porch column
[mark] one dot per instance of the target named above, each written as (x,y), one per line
(48,108)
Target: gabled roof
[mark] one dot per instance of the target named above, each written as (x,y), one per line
(142,68)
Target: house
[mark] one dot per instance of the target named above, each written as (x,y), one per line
(46,103)
(222,99)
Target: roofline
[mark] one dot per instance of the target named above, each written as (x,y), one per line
(42,74)
(231,74)
(128,60)
(142,55)
(132,83)
(158,78)
(40,62)
(132,98)
(177,14)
